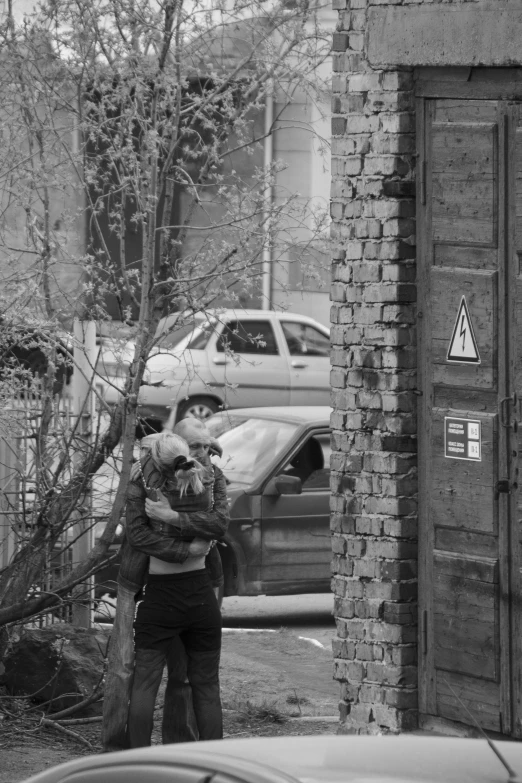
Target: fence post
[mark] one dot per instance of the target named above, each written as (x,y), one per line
(84,355)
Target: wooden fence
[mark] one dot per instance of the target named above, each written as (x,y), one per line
(21,452)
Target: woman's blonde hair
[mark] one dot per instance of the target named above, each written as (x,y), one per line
(165,449)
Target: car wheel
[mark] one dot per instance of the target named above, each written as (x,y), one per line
(197,408)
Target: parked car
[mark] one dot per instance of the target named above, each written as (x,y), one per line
(277,465)
(304,759)
(232,359)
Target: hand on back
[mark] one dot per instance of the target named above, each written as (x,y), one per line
(160,509)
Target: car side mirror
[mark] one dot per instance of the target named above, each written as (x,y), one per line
(284,485)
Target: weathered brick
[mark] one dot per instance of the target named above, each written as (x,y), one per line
(387,165)
(353,166)
(338,126)
(340,42)
(366,569)
(353,588)
(387,674)
(397,122)
(394,549)
(403,656)
(338,545)
(356,41)
(399,591)
(374,476)
(361,123)
(399,273)
(343,609)
(337,420)
(404,569)
(364,82)
(350,691)
(397,80)
(367,609)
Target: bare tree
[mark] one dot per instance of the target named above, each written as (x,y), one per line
(122,122)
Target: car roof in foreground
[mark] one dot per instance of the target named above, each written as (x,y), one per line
(316,759)
(298,414)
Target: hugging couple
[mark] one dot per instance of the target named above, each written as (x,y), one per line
(167,610)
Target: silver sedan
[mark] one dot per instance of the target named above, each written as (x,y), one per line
(317,759)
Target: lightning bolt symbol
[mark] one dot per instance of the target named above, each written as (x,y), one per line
(462,332)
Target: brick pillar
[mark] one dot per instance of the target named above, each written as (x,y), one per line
(374,475)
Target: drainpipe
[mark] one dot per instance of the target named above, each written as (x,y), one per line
(268,156)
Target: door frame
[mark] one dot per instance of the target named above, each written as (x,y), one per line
(499,85)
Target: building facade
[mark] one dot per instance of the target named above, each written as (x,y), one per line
(427,240)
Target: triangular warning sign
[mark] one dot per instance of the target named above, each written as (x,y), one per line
(463,346)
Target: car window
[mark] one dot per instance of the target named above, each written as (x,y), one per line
(312,463)
(255,337)
(304,340)
(250,445)
(168,335)
(200,338)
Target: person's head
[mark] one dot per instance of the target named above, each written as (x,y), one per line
(170,453)
(196,435)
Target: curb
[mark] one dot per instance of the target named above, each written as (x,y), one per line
(316,718)
(248,630)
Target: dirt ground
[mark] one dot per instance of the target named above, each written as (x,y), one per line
(270,681)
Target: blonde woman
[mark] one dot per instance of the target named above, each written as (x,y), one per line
(175,508)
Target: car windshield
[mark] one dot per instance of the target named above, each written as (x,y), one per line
(249,445)
(168,335)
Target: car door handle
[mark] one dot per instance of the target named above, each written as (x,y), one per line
(219,359)
(298,365)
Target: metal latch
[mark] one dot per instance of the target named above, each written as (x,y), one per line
(506,404)
(503,485)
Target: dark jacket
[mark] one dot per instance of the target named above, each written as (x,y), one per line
(205,515)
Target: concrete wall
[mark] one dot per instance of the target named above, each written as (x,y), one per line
(22,220)
(300,145)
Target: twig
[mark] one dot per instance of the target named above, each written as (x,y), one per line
(75,707)
(73,734)
(40,705)
(73,721)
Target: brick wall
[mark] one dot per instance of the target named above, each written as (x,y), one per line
(374,479)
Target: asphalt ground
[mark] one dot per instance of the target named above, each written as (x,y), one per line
(309,615)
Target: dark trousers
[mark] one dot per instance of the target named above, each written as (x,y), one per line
(178,623)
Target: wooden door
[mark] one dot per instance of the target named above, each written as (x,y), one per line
(468,450)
